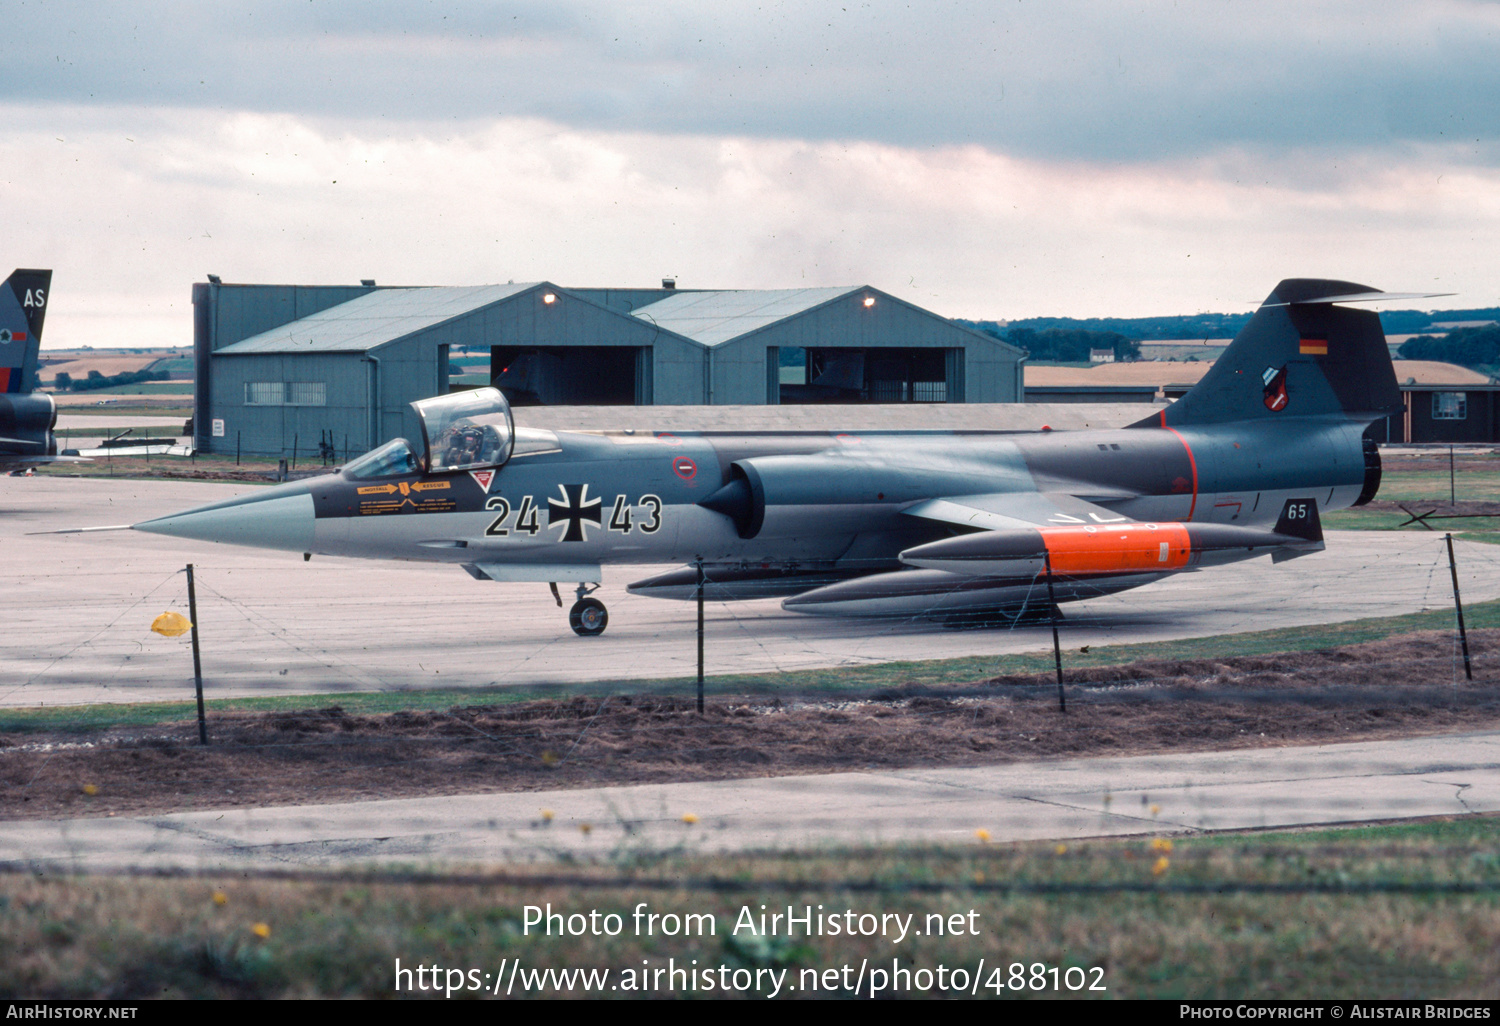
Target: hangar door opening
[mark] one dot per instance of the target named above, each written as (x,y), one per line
(886,374)
(572,375)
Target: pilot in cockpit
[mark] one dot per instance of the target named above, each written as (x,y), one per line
(460,445)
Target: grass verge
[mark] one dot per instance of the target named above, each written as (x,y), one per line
(1381,912)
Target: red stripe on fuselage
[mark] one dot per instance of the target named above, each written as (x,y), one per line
(1191,462)
(5,379)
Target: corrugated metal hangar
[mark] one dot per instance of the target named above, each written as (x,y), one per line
(284,365)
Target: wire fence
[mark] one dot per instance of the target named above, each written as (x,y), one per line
(391,681)
(339,628)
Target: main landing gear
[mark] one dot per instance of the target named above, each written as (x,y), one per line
(588,617)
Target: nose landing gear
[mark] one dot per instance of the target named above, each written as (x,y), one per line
(588,617)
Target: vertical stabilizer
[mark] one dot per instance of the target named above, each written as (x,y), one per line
(23,307)
(1301,355)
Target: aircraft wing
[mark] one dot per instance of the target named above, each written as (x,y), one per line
(998,511)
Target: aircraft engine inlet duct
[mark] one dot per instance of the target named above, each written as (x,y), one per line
(787,496)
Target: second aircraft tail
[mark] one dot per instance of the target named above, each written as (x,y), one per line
(23,307)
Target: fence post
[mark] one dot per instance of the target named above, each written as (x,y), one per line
(1062,698)
(197,661)
(700,636)
(1463,635)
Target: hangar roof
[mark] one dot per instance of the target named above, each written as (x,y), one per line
(374,319)
(715,317)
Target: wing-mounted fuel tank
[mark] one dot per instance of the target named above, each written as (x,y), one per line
(1129,548)
(1005,571)
(842,490)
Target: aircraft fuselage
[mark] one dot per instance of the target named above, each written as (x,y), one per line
(583,499)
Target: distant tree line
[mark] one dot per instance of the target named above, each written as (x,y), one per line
(1061,345)
(1478,348)
(1216,325)
(1408,322)
(65,382)
(1140,329)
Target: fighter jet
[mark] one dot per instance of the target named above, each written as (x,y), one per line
(26,418)
(960,525)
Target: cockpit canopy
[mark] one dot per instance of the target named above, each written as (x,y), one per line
(462,431)
(466,430)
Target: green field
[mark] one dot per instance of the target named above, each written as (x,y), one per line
(143,388)
(155,406)
(1476,480)
(1486,529)
(1407,911)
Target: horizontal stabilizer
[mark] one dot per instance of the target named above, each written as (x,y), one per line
(1367,296)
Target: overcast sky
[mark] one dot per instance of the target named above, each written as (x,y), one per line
(993,160)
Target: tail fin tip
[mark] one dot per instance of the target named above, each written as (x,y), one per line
(1300,355)
(23,310)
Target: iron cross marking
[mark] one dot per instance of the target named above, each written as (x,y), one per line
(575,508)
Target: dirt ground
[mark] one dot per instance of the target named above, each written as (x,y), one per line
(1394,688)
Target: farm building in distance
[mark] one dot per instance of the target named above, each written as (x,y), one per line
(284,365)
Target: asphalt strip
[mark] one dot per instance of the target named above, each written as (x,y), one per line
(1062,799)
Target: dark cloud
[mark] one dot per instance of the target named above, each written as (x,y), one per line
(1081,81)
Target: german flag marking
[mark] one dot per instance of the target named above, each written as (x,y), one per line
(1314,347)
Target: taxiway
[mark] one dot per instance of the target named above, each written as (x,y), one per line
(77,608)
(1063,799)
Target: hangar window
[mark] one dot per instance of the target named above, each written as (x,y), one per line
(307,393)
(265,393)
(1450,405)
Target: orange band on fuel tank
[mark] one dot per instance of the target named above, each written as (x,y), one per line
(1122,548)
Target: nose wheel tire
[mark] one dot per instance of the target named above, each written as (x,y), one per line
(588,617)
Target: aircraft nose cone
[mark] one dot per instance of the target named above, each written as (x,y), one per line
(277,518)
